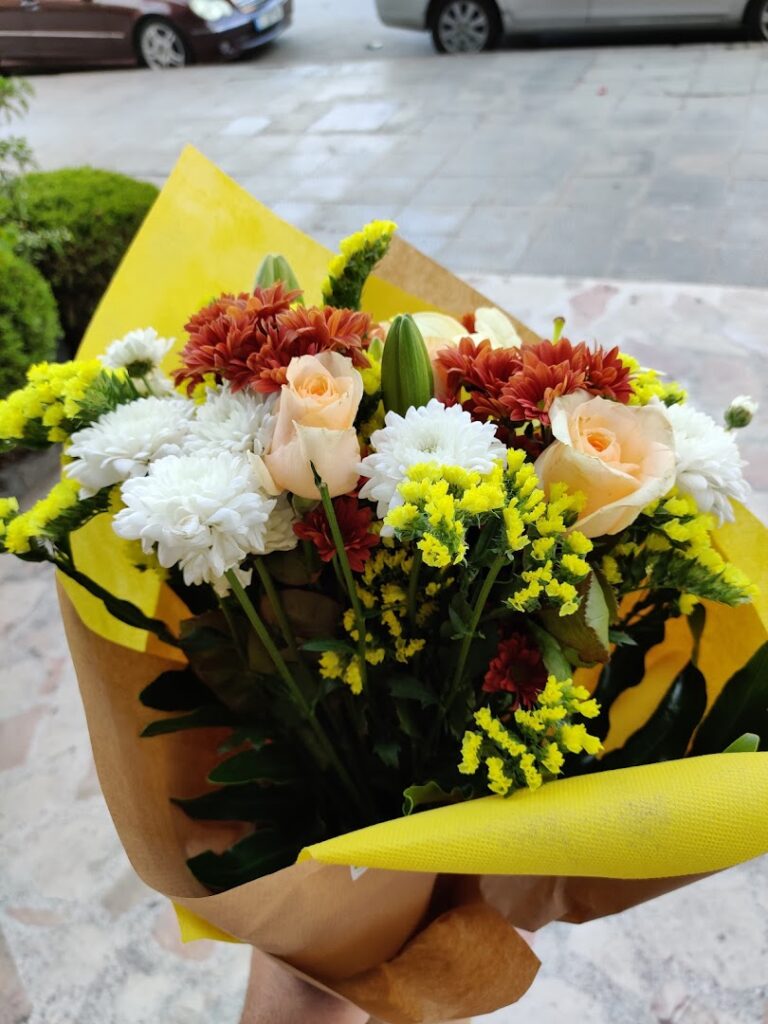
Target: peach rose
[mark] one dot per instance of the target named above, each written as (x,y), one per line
(315,424)
(621,457)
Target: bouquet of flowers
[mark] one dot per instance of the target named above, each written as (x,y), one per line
(403,563)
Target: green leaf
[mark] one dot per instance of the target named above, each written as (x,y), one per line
(749,743)
(122,610)
(328,645)
(310,614)
(410,688)
(586,631)
(208,644)
(408,721)
(203,718)
(388,752)
(257,855)
(176,691)
(256,736)
(667,733)
(619,637)
(250,802)
(429,795)
(696,622)
(742,707)
(269,763)
(288,567)
(552,654)
(610,596)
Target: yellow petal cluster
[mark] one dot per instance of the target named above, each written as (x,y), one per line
(530,748)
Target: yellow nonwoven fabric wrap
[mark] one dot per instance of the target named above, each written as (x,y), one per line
(204,235)
(662,820)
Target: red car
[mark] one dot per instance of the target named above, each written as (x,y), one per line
(155,33)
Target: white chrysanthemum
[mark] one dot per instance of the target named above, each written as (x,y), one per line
(200,513)
(432,433)
(139,352)
(122,443)
(280,535)
(238,423)
(708,461)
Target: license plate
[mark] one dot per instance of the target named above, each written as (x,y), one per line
(269,18)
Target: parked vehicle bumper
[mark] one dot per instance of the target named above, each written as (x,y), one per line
(403,13)
(234,36)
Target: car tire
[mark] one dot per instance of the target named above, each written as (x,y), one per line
(465,26)
(756,19)
(160,45)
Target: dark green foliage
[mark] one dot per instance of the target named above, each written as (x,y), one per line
(100,213)
(29,323)
(259,854)
(741,708)
(667,733)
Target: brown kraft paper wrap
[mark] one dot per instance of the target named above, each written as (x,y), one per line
(404,949)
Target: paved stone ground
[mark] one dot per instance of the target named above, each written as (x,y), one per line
(640,162)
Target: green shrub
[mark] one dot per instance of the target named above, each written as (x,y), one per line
(29,322)
(97,213)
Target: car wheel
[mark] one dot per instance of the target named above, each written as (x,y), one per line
(160,45)
(756,19)
(466,26)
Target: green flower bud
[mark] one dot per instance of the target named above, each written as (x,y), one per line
(276,268)
(740,412)
(406,372)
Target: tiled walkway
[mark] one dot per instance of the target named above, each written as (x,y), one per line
(83,941)
(636,162)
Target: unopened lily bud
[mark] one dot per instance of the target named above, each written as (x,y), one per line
(276,268)
(406,372)
(740,412)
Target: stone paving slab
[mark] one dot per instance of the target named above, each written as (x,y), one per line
(639,162)
(83,941)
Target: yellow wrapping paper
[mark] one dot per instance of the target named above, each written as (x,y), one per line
(659,822)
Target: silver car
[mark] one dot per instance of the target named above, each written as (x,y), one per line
(468,26)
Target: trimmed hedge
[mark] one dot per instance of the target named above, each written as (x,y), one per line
(100,211)
(29,321)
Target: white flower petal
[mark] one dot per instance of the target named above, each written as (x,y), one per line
(432,433)
(709,465)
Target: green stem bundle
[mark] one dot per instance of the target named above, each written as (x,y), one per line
(294,690)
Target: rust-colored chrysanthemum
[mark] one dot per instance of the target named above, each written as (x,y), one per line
(354,522)
(608,376)
(480,370)
(517,669)
(227,332)
(309,331)
(552,369)
(250,339)
(530,393)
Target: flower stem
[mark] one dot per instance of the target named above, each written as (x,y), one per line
(346,572)
(232,629)
(413,585)
(277,607)
(496,566)
(294,690)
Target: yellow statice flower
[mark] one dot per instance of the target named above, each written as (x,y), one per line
(47,408)
(358,255)
(670,547)
(531,748)
(37,523)
(9,508)
(649,384)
